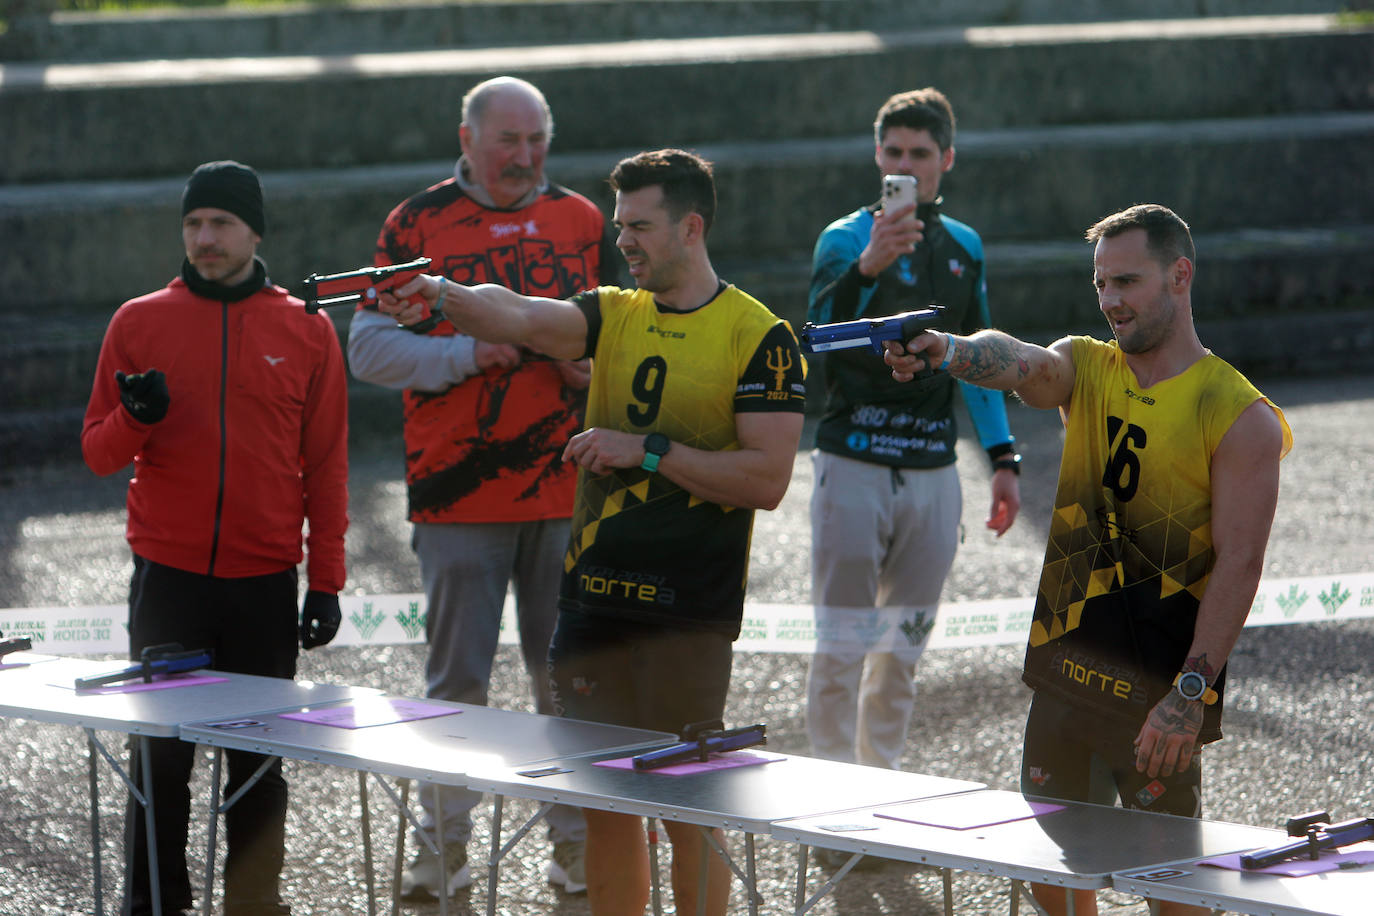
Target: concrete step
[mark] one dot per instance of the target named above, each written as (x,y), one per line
(147,118)
(363,28)
(1012,184)
(1254,289)
(1043,289)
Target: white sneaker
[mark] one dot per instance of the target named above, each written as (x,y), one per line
(568,866)
(420,880)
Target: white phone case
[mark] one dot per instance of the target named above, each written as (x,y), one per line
(899,191)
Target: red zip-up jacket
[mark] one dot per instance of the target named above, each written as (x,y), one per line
(254,442)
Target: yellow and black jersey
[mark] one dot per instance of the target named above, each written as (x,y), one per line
(1130,541)
(642,547)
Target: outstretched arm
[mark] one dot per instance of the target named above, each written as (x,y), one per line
(554,327)
(1040,376)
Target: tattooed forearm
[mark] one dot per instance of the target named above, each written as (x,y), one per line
(989,357)
(1200,664)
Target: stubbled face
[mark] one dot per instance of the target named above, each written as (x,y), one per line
(507,147)
(1135,292)
(653,245)
(219,245)
(905,151)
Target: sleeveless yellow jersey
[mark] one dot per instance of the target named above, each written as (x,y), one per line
(1130,541)
(641,546)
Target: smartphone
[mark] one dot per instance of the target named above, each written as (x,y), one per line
(899,191)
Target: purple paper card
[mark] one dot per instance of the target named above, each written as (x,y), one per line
(1327,860)
(726,761)
(966,812)
(372,711)
(159,682)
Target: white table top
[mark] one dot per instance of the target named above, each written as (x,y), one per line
(745,798)
(46,692)
(441,749)
(1333,893)
(1079,846)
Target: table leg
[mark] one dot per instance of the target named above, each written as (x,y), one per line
(753,874)
(746,877)
(705,861)
(95,825)
(948,881)
(400,847)
(1021,890)
(499,850)
(94,746)
(804,906)
(208,894)
(800,898)
(655,881)
(368,873)
(443,860)
(154,877)
(498,806)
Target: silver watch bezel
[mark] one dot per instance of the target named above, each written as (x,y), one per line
(1191,677)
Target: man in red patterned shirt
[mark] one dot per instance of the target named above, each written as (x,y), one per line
(485,425)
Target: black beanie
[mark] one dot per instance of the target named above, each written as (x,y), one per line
(226,185)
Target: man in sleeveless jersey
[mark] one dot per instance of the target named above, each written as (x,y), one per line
(485,423)
(693,418)
(1167,489)
(886,505)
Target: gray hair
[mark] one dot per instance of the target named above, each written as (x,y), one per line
(480,96)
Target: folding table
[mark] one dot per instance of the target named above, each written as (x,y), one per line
(45,692)
(1008,835)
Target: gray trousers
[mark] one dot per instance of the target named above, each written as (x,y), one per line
(882,542)
(465,570)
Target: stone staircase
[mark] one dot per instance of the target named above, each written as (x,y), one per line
(1254,121)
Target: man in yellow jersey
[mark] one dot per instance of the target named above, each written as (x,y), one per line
(693,418)
(1167,489)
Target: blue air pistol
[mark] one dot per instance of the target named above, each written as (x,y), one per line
(700,746)
(168,658)
(1317,834)
(869,332)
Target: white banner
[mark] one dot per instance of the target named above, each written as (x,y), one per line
(399,619)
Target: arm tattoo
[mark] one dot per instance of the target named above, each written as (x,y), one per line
(988,357)
(1199,664)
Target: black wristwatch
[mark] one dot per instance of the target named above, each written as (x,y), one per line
(1009,462)
(1192,686)
(656,445)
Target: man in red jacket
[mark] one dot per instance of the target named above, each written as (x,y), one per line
(231,402)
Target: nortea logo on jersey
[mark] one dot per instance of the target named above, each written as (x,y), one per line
(506,230)
(633,586)
(664,332)
(1142,398)
(1097,674)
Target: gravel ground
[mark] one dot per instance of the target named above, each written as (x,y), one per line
(1299,735)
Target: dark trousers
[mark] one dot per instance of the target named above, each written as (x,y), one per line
(251,626)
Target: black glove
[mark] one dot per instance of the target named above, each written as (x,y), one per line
(144,395)
(319,619)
